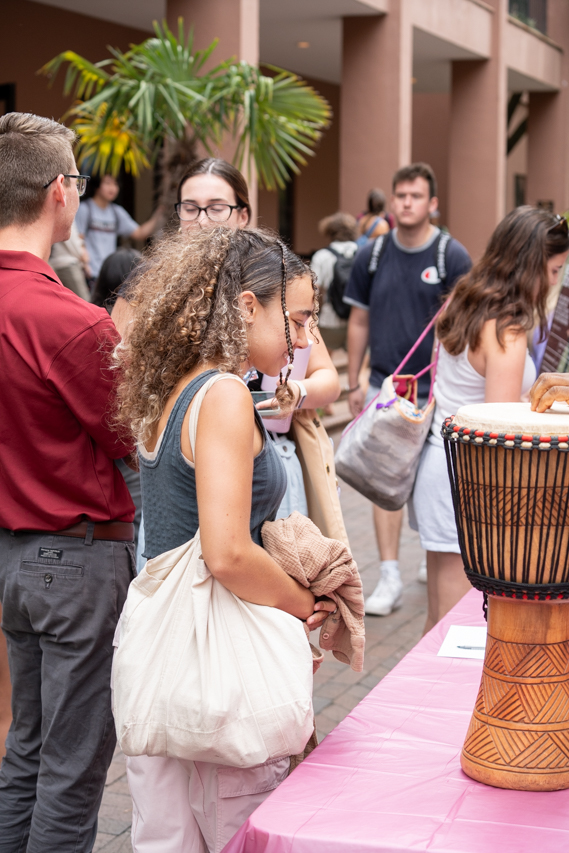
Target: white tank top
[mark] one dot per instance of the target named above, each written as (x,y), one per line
(459,384)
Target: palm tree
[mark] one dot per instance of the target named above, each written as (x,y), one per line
(157,97)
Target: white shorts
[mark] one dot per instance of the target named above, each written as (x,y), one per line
(431,509)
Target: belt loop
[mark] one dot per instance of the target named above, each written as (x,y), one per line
(90,533)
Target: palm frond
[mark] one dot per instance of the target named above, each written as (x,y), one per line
(82,78)
(107,141)
(127,105)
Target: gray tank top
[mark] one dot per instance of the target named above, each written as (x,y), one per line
(169,483)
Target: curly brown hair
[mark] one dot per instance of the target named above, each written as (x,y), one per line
(508,284)
(186,311)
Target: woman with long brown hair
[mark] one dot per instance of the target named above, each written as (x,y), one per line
(204,304)
(483,358)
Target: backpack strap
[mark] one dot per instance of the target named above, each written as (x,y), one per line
(372,227)
(379,246)
(441,251)
(197,404)
(115,214)
(88,228)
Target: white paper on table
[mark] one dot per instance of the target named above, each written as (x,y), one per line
(464,641)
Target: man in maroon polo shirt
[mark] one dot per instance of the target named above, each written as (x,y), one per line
(66,554)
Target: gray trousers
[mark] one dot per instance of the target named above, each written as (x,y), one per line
(61,600)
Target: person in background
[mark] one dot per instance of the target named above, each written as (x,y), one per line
(114,272)
(483,358)
(390,308)
(336,259)
(375,220)
(101,222)
(71,263)
(66,553)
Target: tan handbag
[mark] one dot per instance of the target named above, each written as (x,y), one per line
(316,454)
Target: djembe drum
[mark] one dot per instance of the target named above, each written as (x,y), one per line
(509,472)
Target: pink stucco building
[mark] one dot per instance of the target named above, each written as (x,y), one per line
(447,81)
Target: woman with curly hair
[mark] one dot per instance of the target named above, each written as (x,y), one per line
(208,303)
(483,358)
(212,192)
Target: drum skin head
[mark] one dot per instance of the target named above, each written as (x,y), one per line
(514,418)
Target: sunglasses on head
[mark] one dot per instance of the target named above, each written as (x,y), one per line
(560,226)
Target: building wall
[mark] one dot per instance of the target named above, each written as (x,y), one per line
(430,139)
(517,161)
(31,34)
(316,189)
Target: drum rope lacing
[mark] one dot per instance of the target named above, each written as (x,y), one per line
(508,523)
(525,441)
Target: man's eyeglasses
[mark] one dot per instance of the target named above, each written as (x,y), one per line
(214,212)
(560,227)
(81,182)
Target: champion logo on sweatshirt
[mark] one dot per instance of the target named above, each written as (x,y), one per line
(430,276)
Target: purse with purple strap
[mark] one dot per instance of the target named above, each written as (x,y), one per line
(380,449)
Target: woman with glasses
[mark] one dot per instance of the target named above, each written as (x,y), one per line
(213,192)
(483,358)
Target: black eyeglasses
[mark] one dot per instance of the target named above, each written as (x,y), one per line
(214,212)
(81,182)
(560,226)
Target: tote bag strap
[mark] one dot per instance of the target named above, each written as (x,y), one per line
(197,404)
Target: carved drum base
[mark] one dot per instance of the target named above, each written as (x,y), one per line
(519,732)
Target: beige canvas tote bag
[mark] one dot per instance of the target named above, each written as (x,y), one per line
(200,674)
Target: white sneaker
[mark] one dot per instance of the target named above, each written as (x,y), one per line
(386,596)
(422,573)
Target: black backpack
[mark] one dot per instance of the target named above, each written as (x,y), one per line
(342,270)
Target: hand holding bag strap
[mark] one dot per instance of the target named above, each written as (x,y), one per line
(197,404)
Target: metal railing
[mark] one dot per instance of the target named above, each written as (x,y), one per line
(530,12)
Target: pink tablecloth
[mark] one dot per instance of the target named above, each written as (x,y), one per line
(388,778)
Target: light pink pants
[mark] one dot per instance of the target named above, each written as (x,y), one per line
(192,806)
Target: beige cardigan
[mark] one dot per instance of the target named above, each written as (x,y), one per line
(327,568)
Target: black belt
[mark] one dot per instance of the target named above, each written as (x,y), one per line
(115,531)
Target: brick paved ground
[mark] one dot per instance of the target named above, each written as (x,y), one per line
(337,690)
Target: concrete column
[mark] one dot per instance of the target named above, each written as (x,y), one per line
(548,126)
(376,102)
(477,141)
(236,24)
